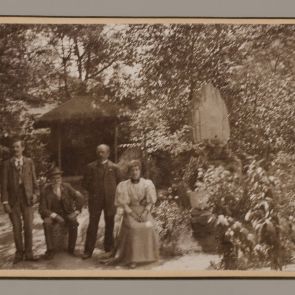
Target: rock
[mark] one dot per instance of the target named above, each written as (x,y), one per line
(210,116)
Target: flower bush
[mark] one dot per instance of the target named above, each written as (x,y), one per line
(247,215)
(171,223)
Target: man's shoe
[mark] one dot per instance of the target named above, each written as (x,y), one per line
(49,255)
(86,256)
(17,259)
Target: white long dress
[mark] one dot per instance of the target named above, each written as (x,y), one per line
(138,241)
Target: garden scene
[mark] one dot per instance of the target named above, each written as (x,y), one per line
(207,109)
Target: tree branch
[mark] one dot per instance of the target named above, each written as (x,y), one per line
(102,69)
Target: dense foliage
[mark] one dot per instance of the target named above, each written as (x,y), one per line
(173,224)
(254,229)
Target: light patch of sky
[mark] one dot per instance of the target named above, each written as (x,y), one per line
(123,71)
(110,32)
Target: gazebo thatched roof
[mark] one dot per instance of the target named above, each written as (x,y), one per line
(78,109)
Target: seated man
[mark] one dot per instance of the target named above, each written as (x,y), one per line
(59,203)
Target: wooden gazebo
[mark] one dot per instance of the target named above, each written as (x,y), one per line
(73,120)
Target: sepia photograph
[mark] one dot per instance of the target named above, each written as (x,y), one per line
(147,147)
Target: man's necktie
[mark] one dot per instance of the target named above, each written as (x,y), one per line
(19,169)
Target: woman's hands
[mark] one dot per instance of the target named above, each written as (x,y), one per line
(135,216)
(139,217)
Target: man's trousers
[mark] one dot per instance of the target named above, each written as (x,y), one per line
(94,217)
(21,217)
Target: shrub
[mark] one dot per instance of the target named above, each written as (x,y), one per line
(246,214)
(171,223)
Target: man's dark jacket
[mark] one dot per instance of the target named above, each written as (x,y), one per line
(70,198)
(10,181)
(101,181)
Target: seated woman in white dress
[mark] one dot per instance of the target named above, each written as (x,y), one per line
(138,241)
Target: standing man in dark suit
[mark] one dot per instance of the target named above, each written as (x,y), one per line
(60,203)
(100,180)
(19,193)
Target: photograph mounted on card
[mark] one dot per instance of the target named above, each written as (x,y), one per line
(150,147)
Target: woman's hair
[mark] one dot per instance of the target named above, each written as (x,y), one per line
(134,163)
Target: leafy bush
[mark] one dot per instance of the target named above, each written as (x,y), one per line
(246,213)
(171,223)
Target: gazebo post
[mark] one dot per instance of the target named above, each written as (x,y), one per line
(59,146)
(116,142)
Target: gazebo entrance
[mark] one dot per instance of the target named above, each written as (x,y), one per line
(77,127)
